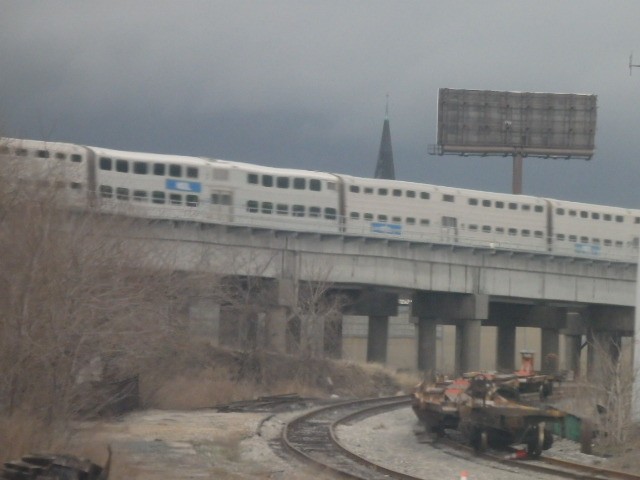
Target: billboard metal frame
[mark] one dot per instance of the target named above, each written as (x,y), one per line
(521,124)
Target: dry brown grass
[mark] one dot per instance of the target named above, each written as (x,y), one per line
(23,432)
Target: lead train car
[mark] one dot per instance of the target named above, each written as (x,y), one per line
(223,192)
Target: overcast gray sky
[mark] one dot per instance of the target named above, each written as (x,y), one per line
(303,83)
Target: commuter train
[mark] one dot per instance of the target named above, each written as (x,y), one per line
(208,190)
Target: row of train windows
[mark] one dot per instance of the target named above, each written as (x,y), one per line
(509,231)
(561,237)
(156,196)
(395,192)
(370,217)
(607,217)
(297,183)
(144,168)
(269,208)
(510,205)
(23,152)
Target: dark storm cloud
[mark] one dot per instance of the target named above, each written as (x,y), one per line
(303,84)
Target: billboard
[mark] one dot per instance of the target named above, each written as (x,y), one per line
(485,122)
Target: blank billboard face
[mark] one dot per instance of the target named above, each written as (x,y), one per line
(536,123)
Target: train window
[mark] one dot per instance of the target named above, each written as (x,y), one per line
(42,153)
(396,219)
(105,163)
(619,218)
(560,237)
(538,208)
(122,193)
(267,181)
(314,184)
(499,204)
(538,234)
(106,191)
(282,209)
(572,213)
(486,203)
(215,199)
(252,178)
(299,183)
(76,158)
(411,194)
(141,168)
(225,199)
(159,168)
(383,191)
(139,196)
(472,201)
(192,200)
(331,185)
(473,227)
(595,216)
(606,217)
(282,182)
(595,241)
(425,195)
(513,206)
(218,174)
(607,242)
(368,216)
(354,216)
(175,170)
(75,186)
(448,198)
(60,156)
(158,197)
(122,166)
(526,207)
(368,190)
(513,231)
(525,232)
(397,192)
(486,228)
(424,222)
(267,208)
(619,244)
(330,213)
(584,214)
(314,212)
(21,152)
(382,218)
(252,206)
(298,210)
(584,239)
(559,211)
(354,189)
(500,230)
(637,220)
(192,172)
(175,199)
(4,150)
(410,221)
(573,238)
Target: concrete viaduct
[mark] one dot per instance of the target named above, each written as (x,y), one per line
(448,284)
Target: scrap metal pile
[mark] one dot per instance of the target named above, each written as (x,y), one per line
(486,409)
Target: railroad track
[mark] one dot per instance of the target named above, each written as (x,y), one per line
(312,438)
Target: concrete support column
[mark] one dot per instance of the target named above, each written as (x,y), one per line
(377,338)
(204,320)
(469,345)
(505,347)
(572,353)
(275,329)
(549,350)
(427,361)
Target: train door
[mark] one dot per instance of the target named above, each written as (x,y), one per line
(449,229)
(221,206)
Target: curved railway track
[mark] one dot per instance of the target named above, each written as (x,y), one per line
(312,438)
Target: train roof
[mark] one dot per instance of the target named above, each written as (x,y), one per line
(148,157)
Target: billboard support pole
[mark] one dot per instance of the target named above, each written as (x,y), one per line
(516,182)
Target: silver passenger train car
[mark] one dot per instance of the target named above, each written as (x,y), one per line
(216,191)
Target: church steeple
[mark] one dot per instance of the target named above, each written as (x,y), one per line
(384,167)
